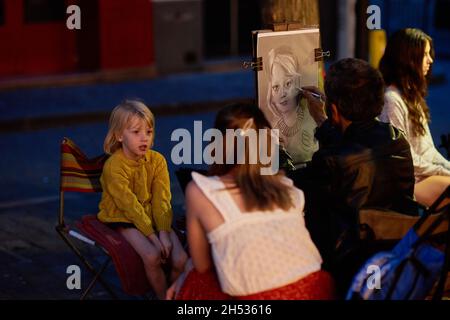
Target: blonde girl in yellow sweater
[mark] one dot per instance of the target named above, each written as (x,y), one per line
(136,193)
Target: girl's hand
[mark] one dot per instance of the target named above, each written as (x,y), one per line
(154,239)
(166,244)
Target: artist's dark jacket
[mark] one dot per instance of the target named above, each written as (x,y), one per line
(369,165)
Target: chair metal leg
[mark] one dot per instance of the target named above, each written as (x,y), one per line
(446,267)
(97,276)
(86,263)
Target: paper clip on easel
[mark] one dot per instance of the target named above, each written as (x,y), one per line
(319,54)
(255,64)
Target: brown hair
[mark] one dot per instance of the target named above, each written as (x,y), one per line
(260,192)
(401,65)
(121,117)
(356,88)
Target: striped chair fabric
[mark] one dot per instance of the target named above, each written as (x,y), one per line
(78,172)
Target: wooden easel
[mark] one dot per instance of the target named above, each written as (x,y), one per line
(257,64)
(288,26)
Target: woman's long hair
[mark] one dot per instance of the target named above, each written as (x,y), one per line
(260,192)
(401,65)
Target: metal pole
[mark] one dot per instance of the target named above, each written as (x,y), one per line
(346,29)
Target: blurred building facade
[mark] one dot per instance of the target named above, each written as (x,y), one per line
(177,35)
(35,40)
(166,35)
(432,16)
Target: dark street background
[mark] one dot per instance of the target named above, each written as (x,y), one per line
(56,83)
(33,257)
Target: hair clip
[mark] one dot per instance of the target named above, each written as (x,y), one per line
(247,125)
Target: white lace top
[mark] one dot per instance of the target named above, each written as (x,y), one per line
(258,251)
(426,158)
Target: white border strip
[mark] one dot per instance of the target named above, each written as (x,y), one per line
(286,33)
(81,237)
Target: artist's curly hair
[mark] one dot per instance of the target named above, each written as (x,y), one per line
(401,65)
(355,88)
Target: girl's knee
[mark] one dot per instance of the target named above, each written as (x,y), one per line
(152,259)
(179,261)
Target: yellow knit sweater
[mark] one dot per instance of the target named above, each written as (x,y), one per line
(136,192)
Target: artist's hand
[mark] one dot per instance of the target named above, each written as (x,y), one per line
(166,243)
(316,103)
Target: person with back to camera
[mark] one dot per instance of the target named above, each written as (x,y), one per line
(249,228)
(290,111)
(361,163)
(136,193)
(406,66)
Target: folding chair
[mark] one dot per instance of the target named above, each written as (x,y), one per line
(78,173)
(386,225)
(385,228)
(380,230)
(184,177)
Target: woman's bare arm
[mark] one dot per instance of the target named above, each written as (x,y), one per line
(198,243)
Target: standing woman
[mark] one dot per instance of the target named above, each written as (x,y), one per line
(406,66)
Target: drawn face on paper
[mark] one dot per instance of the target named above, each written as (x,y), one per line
(284,90)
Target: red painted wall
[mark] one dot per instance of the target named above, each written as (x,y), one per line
(126,36)
(38,48)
